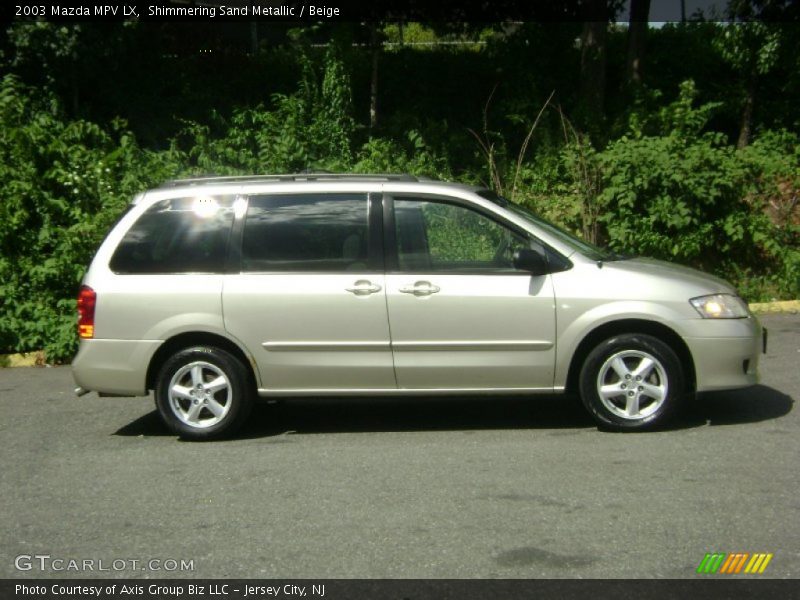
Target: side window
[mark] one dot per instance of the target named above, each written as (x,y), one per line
(436,236)
(306,232)
(179,235)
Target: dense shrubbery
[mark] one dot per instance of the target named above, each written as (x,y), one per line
(687,195)
(671,189)
(667,186)
(64,182)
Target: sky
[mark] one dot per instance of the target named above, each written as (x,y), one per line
(670,10)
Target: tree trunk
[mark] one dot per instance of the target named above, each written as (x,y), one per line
(373,85)
(253,37)
(593,70)
(637,33)
(74,91)
(745,129)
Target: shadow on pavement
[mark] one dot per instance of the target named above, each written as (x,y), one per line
(149,424)
(338,415)
(734,407)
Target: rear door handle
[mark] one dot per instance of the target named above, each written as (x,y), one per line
(421,288)
(364,287)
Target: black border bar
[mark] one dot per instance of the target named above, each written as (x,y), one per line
(384,11)
(710,587)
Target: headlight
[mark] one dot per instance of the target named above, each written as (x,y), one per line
(720,306)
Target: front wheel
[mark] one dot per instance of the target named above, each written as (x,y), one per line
(632,382)
(203,393)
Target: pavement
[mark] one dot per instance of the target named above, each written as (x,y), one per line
(390,488)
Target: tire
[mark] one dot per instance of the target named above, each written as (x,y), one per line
(613,395)
(203,393)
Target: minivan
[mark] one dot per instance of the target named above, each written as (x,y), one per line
(214,292)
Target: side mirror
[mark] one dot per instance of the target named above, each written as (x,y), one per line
(530,260)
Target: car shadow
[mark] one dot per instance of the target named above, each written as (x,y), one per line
(365,414)
(735,407)
(353,415)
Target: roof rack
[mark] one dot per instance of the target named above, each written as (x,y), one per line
(320,176)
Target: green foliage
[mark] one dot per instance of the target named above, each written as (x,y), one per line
(415,157)
(310,129)
(751,46)
(64,183)
(668,198)
(773,162)
(671,189)
(690,197)
(679,118)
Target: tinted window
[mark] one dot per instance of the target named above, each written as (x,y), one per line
(309,232)
(181,235)
(435,236)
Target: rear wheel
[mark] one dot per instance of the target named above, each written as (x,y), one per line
(203,393)
(632,382)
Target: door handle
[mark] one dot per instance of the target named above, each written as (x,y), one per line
(420,288)
(363,287)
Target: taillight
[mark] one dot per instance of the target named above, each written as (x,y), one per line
(87,298)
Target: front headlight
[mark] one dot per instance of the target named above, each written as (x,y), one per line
(720,306)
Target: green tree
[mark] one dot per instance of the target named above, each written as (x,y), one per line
(751,48)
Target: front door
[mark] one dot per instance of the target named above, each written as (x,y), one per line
(461,316)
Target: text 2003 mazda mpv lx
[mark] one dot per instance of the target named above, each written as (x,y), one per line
(213,291)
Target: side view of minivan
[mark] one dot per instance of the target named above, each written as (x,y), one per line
(214,292)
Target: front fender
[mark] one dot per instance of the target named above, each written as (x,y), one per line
(576,322)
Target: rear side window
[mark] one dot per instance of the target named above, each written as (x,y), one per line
(179,235)
(306,232)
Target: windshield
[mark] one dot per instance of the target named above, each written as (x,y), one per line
(589,250)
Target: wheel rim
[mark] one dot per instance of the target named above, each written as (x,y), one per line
(632,384)
(200,394)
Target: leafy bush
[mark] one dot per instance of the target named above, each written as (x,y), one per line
(64,184)
(310,129)
(415,157)
(691,197)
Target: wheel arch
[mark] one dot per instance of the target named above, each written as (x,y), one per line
(622,326)
(198,338)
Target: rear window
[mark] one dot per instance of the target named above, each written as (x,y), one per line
(179,235)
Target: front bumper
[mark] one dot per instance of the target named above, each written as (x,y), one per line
(726,352)
(114,366)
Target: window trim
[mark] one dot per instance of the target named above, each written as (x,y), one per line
(233,259)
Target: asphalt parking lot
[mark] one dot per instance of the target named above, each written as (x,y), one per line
(422,488)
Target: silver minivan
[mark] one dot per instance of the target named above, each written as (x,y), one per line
(213,292)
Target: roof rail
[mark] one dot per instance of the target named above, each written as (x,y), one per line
(292,177)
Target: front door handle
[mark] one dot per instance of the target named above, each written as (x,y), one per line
(420,288)
(364,287)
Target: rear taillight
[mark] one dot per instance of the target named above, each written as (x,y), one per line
(87,298)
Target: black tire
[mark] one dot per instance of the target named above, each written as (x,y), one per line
(198,407)
(628,404)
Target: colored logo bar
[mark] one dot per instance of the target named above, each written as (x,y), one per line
(734,563)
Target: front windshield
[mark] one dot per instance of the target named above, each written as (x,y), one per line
(589,250)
